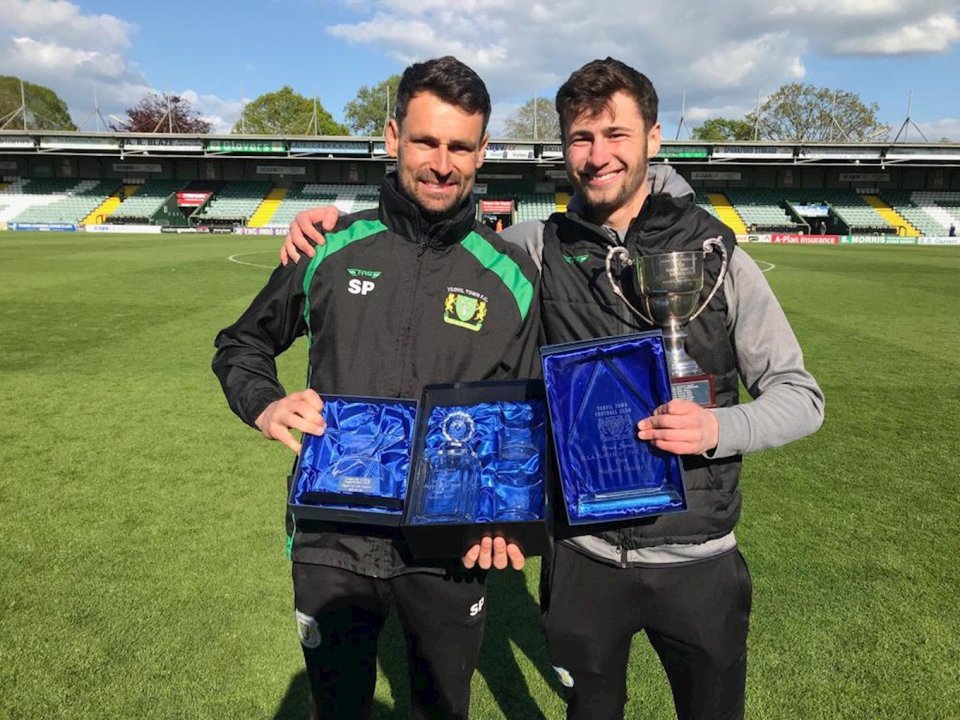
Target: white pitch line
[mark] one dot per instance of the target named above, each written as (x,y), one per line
(233,259)
(772,266)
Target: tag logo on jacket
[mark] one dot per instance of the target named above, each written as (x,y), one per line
(465,308)
(362,281)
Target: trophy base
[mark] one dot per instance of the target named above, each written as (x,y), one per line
(696,388)
(353,499)
(598,503)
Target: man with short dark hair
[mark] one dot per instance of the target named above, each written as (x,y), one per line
(679,578)
(388,337)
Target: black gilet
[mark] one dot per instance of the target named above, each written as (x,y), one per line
(578,304)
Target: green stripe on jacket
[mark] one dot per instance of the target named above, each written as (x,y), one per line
(503,267)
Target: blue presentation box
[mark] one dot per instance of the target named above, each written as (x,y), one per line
(466,460)
(597,391)
(498,479)
(357,470)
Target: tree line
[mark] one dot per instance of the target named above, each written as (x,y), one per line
(796,112)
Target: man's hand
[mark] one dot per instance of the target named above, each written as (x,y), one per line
(302,235)
(297,411)
(681,427)
(494,551)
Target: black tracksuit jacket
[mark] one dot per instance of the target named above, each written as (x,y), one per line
(391,302)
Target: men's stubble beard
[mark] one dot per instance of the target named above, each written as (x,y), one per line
(427,213)
(623,197)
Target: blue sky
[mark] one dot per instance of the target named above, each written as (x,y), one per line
(720,54)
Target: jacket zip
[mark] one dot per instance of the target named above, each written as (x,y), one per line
(610,238)
(407,335)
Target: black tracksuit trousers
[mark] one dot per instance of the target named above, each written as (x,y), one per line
(340,615)
(696,616)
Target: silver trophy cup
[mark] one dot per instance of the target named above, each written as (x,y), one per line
(669,287)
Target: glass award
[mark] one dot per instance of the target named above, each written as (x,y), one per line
(614,470)
(519,477)
(449,475)
(357,470)
(362,458)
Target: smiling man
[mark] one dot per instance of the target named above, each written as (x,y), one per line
(388,337)
(607,151)
(678,578)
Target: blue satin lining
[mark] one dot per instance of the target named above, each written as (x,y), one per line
(596,395)
(365,450)
(527,423)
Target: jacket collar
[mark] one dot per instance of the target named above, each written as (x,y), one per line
(404,218)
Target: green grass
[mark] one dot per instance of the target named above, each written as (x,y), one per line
(142,571)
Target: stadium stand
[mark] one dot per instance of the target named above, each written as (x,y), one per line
(854,211)
(847,207)
(300,197)
(538,206)
(268,208)
(347,199)
(726,212)
(941,207)
(366,200)
(22,194)
(106,208)
(235,203)
(142,206)
(762,210)
(705,204)
(893,218)
(54,201)
(769,189)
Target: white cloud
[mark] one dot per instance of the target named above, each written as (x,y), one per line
(51,59)
(932,34)
(737,64)
(837,8)
(79,55)
(407,37)
(936,130)
(721,54)
(53,43)
(63,22)
(220,113)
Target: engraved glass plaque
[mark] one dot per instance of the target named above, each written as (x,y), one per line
(358,470)
(598,391)
(362,459)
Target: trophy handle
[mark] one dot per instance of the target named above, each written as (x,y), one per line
(708,247)
(623,255)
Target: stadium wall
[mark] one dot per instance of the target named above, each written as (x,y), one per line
(512,177)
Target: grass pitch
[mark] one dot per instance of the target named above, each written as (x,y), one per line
(142,571)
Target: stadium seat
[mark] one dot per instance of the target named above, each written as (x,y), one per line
(148,200)
(762,210)
(46,201)
(235,203)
